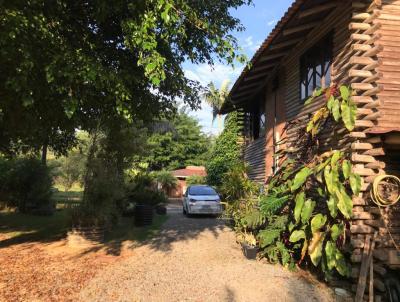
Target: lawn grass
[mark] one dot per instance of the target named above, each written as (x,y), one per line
(20,227)
(67,199)
(14,224)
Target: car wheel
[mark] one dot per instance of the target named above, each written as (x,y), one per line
(184,211)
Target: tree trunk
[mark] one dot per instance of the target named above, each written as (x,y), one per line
(44,153)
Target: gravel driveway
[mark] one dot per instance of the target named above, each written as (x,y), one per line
(197,259)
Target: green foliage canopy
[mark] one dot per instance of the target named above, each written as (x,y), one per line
(66,63)
(176,143)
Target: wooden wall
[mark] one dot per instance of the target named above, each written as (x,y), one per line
(254,155)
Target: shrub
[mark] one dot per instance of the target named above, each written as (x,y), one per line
(166,180)
(148,196)
(236,184)
(195,180)
(26,183)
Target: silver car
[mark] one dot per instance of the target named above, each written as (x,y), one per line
(201,200)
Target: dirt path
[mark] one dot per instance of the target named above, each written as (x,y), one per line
(197,259)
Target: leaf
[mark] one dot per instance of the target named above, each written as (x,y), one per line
(341,265)
(336,110)
(345,204)
(318,222)
(329,104)
(304,250)
(300,198)
(332,206)
(336,231)
(329,179)
(310,126)
(346,168)
(317,92)
(307,210)
(330,252)
(355,183)
(349,112)
(309,100)
(268,236)
(300,178)
(297,236)
(315,248)
(335,158)
(344,92)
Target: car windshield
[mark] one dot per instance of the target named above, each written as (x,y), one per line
(202,191)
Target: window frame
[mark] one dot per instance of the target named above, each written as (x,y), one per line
(318,60)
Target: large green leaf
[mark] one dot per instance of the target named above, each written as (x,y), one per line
(335,158)
(355,183)
(349,112)
(307,210)
(336,231)
(318,222)
(330,252)
(332,205)
(268,236)
(346,168)
(345,204)
(329,180)
(336,110)
(300,198)
(300,178)
(344,92)
(297,236)
(341,265)
(315,247)
(329,104)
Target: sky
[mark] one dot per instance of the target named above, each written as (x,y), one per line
(258,19)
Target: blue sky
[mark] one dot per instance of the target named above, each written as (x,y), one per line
(259,19)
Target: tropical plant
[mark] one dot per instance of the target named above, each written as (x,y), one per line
(236,184)
(216,98)
(308,202)
(195,180)
(166,180)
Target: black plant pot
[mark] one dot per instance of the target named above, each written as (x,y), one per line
(143,215)
(161,210)
(249,251)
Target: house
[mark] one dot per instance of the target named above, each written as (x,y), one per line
(182,175)
(315,44)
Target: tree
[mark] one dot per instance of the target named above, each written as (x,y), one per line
(216,98)
(176,143)
(166,180)
(227,150)
(67,63)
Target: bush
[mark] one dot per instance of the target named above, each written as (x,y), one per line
(148,196)
(236,184)
(166,180)
(26,184)
(195,180)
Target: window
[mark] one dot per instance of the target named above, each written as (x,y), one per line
(258,122)
(315,67)
(202,190)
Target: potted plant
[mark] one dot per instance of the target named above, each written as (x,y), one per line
(249,245)
(87,224)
